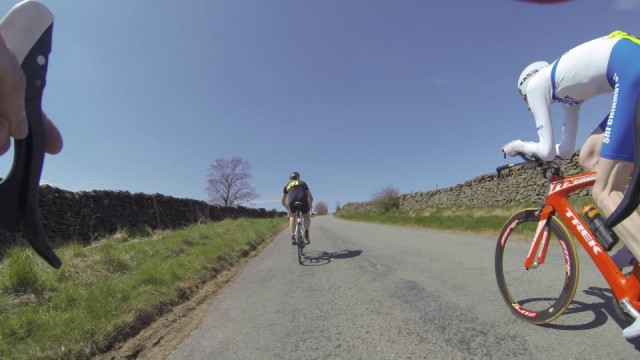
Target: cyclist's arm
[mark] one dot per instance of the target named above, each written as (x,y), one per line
(539,99)
(567,144)
(283,201)
(310,197)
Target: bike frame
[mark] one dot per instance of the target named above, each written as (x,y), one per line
(625,289)
(299,224)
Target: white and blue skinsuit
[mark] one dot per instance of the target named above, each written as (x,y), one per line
(607,64)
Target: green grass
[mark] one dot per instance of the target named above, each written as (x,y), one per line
(485,220)
(109,291)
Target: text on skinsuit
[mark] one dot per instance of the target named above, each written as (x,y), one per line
(607,130)
(526,77)
(595,247)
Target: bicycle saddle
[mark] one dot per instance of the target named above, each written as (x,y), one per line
(27,29)
(297,205)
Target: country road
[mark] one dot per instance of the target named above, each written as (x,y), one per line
(372,291)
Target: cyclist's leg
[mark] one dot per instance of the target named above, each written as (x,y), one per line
(617,154)
(590,151)
(608,192)
(307,223)
(611,181)
(292,223)
(589,157)
(618,149)
(307,220)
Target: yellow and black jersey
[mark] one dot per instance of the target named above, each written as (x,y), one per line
(296,191)
(297,185)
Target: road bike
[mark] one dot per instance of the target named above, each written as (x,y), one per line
(301,240)
(536,262)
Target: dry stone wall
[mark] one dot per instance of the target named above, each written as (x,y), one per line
(85,216)
(515,186)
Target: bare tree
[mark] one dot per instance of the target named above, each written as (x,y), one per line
(321,208)
(228,182)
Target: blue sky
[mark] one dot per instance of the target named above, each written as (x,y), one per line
(356,95)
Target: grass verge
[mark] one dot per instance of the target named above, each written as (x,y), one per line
(108,292)
(487,220)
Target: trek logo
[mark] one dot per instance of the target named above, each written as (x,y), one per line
(585,234)
(565,184)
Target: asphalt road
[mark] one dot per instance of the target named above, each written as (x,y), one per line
(372,291)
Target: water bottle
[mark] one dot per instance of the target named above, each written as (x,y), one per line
(605,237)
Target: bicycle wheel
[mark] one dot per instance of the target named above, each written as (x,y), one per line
(300,241)
(542,293)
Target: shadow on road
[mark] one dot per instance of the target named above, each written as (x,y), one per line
(317,258)
(601,312)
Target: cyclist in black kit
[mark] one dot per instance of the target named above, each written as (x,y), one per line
(297,190)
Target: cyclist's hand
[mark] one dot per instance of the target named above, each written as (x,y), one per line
(13,118)
(513,148)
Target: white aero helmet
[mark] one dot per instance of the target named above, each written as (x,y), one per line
(528,73)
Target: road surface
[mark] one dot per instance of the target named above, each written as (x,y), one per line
(370,291)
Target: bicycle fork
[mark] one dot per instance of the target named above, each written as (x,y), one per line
(540,243)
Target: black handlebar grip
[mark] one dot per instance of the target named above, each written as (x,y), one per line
(23,31)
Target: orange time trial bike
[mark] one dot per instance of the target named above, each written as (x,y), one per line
(536,262)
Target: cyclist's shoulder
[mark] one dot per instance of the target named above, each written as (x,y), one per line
(594,49)
(294,184)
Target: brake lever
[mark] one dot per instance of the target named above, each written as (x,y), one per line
(27,29)
(528,159)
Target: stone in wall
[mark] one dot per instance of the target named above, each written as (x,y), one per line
(88,215)
(515,186)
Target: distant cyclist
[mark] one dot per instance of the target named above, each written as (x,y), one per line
(294,191)
(603,65)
